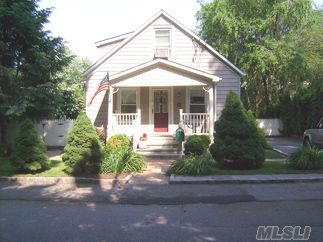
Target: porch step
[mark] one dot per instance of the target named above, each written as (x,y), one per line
(160,145)
(163,154)
(161,140)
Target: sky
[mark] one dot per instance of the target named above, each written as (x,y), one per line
(82,22)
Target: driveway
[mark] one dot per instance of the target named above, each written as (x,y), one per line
(286,145)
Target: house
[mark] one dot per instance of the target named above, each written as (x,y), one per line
(160,75)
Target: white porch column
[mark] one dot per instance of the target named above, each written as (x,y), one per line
(211,110)
(110,111)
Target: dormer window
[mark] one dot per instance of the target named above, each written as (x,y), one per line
(162,43)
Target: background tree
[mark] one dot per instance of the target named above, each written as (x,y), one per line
(29,60)
(277,43)
(71,87)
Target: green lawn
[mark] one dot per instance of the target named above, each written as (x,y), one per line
(272,154)
(56,169)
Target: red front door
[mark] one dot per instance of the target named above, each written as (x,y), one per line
(161,111)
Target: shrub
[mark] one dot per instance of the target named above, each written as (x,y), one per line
(193,165)
(306,159)
(83,152)
(261,132)
(197,144)
(237,143)
(118,141)
(122,161)
(29,152)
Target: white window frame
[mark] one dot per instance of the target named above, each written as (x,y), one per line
(188,99)
(137,90)
(169,47)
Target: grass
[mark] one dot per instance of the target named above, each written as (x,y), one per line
(272,154)
(56,169)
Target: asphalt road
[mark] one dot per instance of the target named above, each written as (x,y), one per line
(228,212)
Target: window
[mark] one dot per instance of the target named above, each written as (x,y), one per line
(197,101)
(128,101)
(162,43)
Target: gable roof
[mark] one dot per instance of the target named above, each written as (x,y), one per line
(166,64)
(162,13)
(113,39)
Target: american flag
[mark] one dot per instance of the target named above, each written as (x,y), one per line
(103,86)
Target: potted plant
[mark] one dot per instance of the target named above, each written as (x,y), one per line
(143,141)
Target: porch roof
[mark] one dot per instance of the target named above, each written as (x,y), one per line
(160,72)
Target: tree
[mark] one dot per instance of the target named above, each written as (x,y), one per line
(237,143)
(71,87)
(29,60)
(277,43)
(83,152)
(29,153)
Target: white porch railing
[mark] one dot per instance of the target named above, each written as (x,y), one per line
(195,123)
(127,123)
(124,118)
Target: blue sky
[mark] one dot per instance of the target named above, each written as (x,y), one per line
(81,23)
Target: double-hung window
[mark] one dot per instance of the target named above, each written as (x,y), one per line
(162,43)
(197,101)
(128,101)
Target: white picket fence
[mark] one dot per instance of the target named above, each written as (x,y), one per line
(54,132)
(272,127)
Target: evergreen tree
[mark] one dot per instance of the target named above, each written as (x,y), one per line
(237,143)
(83,152)
(29,152)
(29,59)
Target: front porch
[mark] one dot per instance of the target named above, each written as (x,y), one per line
(158,111)
(157,96)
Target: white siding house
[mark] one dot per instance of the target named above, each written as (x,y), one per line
(159,75)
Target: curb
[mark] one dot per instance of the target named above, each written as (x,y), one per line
(276,160)
(279,151)
(66,180)
(245,179)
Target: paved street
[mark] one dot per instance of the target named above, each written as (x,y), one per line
(151,212)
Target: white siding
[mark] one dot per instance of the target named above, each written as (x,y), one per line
(141,49)
(159,77)
(103,50)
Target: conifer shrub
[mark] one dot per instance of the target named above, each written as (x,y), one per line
(29,152)
(237,144)
(261,132)
(197,144)
(83,152)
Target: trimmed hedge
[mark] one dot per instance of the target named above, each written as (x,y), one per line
(29,152)
(83,153)
(197,145)
(237,143)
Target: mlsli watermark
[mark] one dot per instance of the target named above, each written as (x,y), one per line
(283,233)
